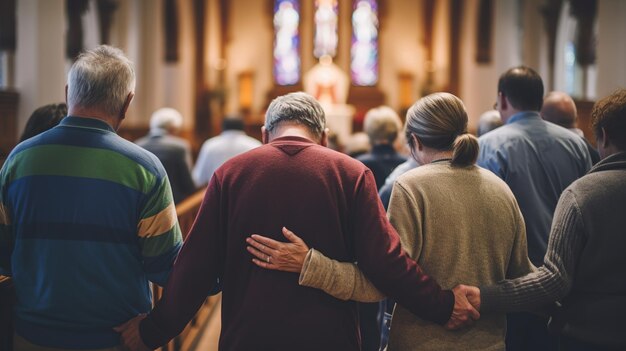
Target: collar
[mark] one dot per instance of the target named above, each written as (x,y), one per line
(523,115)
(612,162)
(292,138)
(87,123)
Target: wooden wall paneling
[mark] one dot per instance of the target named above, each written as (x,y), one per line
(456,17)
(8,123)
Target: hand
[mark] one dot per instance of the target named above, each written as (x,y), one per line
(473,295)
(463,314)
(131,340)
(272,254)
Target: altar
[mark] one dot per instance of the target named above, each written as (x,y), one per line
(330,85)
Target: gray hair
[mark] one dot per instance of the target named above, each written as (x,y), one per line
(299,108)
(101,78)
(382,124)
(489,121)
(166,118)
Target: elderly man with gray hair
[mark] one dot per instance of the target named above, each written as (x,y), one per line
(327,197)
(560,109)
(172,151)
(86,218)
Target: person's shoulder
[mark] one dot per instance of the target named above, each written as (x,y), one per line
(420,176)
(492,180)
(142,157)
(564,134)
(365,158)
(177,142)
(500,134)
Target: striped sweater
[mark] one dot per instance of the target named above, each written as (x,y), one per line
(86,221)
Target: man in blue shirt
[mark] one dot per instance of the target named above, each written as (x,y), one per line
(538,160)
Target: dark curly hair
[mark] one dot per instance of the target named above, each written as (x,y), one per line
(43,119)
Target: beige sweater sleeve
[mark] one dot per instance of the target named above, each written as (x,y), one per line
(405,215)
(519,263)
(342,280)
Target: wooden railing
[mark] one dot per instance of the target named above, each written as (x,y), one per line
(186,211)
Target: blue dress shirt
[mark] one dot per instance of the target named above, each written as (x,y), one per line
(538,160)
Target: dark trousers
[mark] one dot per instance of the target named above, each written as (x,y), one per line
(529,332)
(571,344)
(370,331)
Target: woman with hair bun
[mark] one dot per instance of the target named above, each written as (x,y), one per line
(459,222)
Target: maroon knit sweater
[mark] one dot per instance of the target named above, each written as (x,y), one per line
(328,199)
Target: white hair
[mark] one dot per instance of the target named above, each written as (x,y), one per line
(101,78)
(166,118)
(299,108)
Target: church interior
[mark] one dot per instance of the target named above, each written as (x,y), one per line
(213,58)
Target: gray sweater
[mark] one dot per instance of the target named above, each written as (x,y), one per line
(584,264)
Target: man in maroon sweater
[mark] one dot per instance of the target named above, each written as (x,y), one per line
(296,182)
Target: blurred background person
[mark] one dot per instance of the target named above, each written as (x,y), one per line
(560,109)
(42,119)
(173,152)
(488,121)
(382,125)
(219,149)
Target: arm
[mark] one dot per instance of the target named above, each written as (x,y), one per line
(553,280)
(380,257)
(405,215)
(341,280)
(6,229)
(202,255)
(159,234)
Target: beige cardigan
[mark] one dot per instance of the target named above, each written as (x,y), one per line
(462,225)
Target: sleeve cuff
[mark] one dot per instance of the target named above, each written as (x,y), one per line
(314,273)
(490,300)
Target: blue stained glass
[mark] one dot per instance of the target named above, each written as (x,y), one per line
(364,49)
(286,42)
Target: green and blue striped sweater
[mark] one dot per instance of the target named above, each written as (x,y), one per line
(86,221)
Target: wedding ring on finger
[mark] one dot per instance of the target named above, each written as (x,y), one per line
(268,258)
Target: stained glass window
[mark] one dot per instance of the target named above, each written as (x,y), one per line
(364,49)
(286,42)
(325,28)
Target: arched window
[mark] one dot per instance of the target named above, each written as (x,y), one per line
(286,42)
(325,43)
(364,48)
